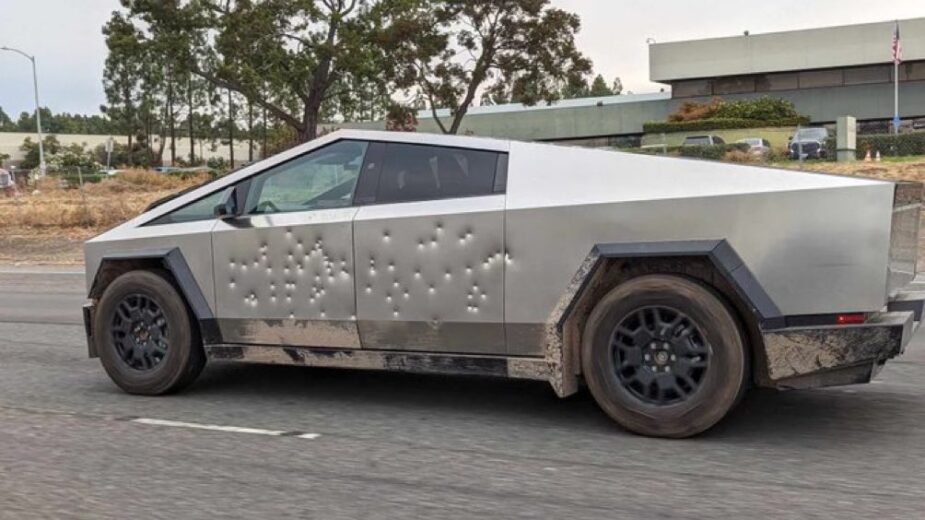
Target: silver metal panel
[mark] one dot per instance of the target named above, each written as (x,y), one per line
(430,275)
(192,238)
(838,265)
(904,241)
(286,268)
(815,243)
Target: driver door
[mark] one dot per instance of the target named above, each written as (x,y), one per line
(284,267)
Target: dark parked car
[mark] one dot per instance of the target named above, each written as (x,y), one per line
(809,143)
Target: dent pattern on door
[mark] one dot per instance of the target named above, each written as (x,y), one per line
(287,279)
(430,275)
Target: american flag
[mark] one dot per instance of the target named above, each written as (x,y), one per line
(897,47)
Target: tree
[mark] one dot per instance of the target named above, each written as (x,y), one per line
(617,87)
(30,149)
(450,50)
(294,59)
(578,88)
(6,124)
(599,87)
(123,74)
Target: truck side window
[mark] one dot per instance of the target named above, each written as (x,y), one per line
(322,178)
(413,172)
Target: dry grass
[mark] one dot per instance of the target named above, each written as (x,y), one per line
(912,170)
(53,210)
(738,156)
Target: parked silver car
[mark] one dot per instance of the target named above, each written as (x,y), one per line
(667,286)
(757,146)
(702,140)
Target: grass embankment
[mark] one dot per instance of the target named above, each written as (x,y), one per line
(901,168)
(48,223)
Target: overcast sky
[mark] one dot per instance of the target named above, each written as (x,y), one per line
(65,37)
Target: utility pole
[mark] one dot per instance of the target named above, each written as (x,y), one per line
(38,110)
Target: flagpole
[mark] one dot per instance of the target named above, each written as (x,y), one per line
(896,97)
(897,58)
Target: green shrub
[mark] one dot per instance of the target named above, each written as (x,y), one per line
(657,127)
(892,145)
(764,108)
(887,144)
(714,152)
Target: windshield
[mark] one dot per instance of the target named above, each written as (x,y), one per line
(809,134)
(698,140)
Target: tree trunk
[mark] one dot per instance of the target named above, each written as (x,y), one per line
(171,124)
(230,130)
(250,131)
(263,151)
(189,99)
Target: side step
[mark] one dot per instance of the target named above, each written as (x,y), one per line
(418,362)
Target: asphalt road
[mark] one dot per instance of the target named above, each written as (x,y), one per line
(378,445)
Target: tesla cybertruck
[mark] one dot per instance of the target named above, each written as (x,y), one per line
(667,286)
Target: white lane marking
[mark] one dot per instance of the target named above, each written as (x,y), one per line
(220,428)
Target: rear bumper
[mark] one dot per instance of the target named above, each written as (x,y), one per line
(809,357)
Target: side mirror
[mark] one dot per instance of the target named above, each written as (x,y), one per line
(228,206)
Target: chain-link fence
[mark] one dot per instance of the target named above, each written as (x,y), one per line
(887,145)
(802,143)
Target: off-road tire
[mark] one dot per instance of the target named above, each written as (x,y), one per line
(723,381)
(184,358)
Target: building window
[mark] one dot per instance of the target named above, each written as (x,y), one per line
(736,85)
(822,78)
(691,88)
(772,82)
(866,75)
(913,71)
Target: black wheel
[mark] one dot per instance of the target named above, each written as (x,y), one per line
(145,335)
(664,356)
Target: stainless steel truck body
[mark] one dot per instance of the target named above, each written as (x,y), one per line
(463,255)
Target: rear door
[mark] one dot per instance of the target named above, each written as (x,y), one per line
(284,269)
(429,249)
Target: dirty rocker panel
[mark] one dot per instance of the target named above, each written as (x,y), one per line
(418,362)
(274,331)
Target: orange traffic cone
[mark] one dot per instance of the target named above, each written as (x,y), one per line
(867,156)
(877,159)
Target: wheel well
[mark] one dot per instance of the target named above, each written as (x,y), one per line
(615,271)
(111,269)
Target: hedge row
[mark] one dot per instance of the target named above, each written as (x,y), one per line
(657,127)
(886,144)
(715,152)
